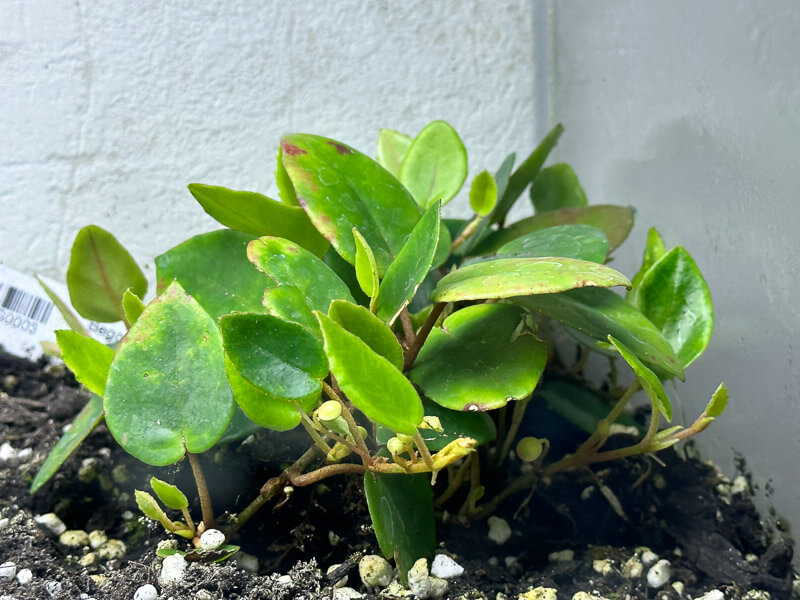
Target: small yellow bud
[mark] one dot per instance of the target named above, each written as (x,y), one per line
(529,448)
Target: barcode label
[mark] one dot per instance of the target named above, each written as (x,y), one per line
(25,304)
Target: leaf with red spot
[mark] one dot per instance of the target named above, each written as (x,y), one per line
(341,188)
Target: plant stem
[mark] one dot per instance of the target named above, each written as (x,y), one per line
(423,449)
(467,231)
(352,426)
(516,421)
(422,335)
(408,327)
(202,491)
(600,435)
(453,483)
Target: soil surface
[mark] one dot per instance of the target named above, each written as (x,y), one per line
(580,532)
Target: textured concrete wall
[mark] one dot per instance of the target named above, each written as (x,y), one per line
(110,108)
(691,113)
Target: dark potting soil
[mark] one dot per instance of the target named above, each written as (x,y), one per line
(680,508)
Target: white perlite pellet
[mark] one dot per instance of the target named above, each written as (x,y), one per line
(375,571)
(712,595)
(24,576)
(658,575)
(8,570)
(346,593)
(146,592)
(418,580)
(211,539)
(172,569)
(53,588)
(499,530)
(51,522)
(445,567)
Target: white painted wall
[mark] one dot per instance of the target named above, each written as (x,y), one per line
(691,113)
(108,109)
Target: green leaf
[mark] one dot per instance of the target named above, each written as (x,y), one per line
(718,403)
(557,187)
(285,185)
(578,405)
(483,193)
(676,298)
(262,408)
(99,272)
(525,174)
(366,267)
(63,308)
(392,149)
(259,215)
(442,247)
(614,221)
(369,328)
(87,358)
(152,510)
(214,270)
(456,424)
(653,250)
(649,381)
(132,306)
(169,494)
(279,357)
(286,263)
(410,267)
(598,313)
(508,277)
(501,179)
(347,273)
(582,242)
(340,188)
(167,391)
(90,417)
(289,303)
(435,165)
(372,383)
(401,508)
(481,358)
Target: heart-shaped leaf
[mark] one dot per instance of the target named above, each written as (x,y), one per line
(435,165)
(598,313)
(100,270)
(410,267)
(372,383)
(90,417)
(87,358)
(286,263)
(676,298)
(259,215)
(557,187)
(582,242)
(392,149)
(401,508)
(614,221)
(483,194)
(649,381)
(508,277)
(167,391)
(213,268)
(340,188)
(281,358)
(483,357)
(374,332)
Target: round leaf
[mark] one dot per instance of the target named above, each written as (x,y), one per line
(482,358)
(435,165)
(167,391)
(557,187)
(582,242)
(483,194)
(340,188)
(373,384)
(508,277)
(392,149)
(374,332)
(99,272)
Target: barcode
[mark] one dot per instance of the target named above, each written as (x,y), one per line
(25,304)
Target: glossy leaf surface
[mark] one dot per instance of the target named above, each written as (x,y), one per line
(582,242)
(369,328)
(286,263)
(289,303)
(259,215)
(614,221)
(676,298)
(167,391)
(372,383)
(87,358)
(525,174)
(649,381)
(557,187)
(435,165)
(279,357)
(653,250)
(90,417)
(598,313)
(410,267)
(340,188)
(509,277)
(401,508)
(100,270)
(483,194)
(365,265)
(480,359)
(214,270)
(169,494)
(392,149)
